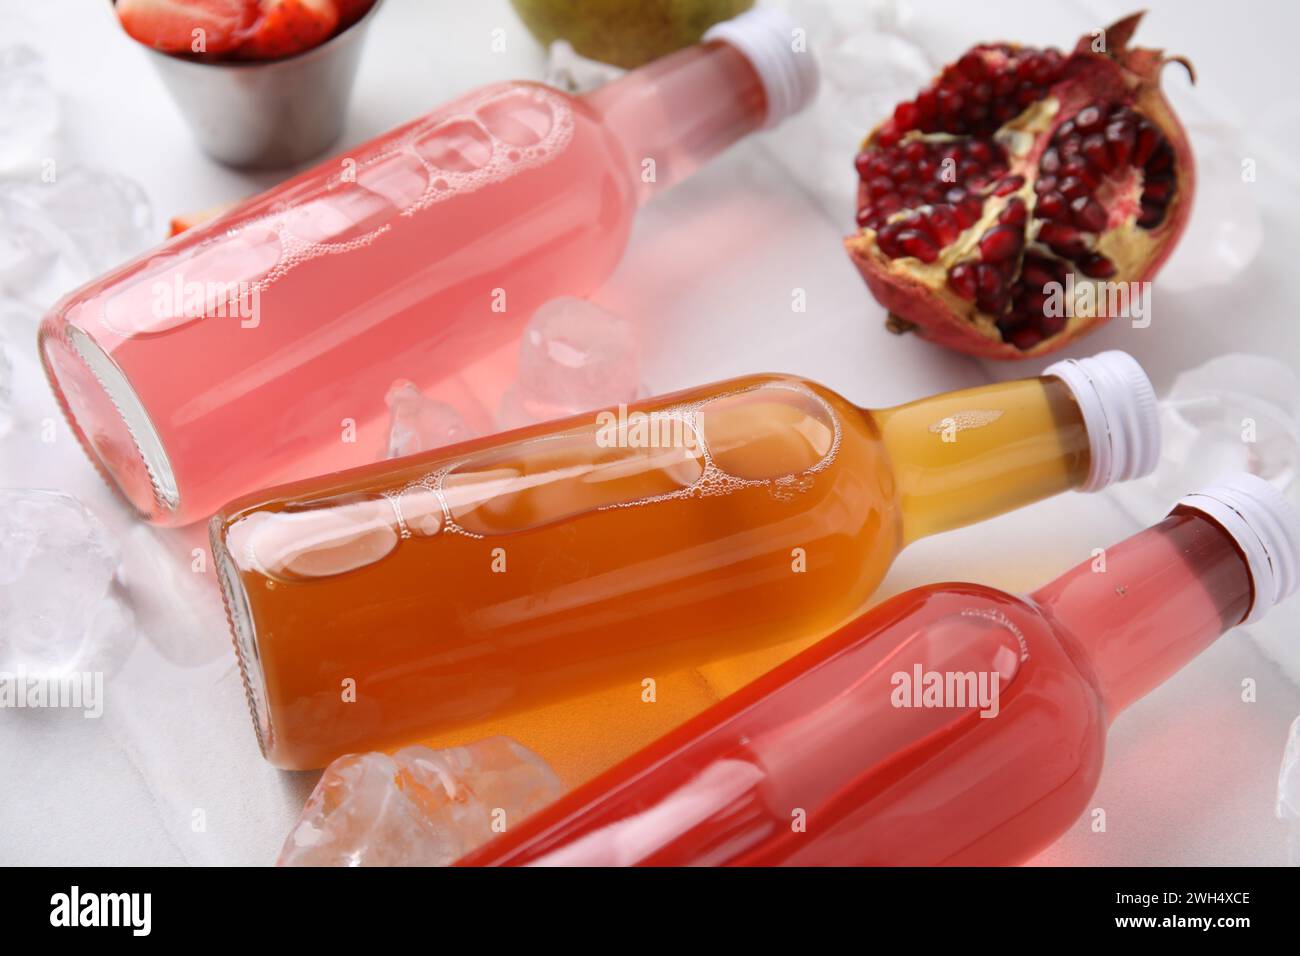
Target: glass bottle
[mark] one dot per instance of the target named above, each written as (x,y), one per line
(258,348)
(953,724)
(511,571)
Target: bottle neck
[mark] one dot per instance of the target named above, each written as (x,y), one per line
(965,456)
(1141,609)
(675,113)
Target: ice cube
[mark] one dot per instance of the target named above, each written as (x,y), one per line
(1288,791)
(868,64)
(29,108)
(418,423)
(1226,230)
(418,807)
(60,608)
(1234,413)
(568,70)
(56,235)
(574,357)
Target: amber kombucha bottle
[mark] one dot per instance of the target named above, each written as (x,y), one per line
(382,604)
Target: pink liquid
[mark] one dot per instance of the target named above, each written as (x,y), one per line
(259,348)
(816,763)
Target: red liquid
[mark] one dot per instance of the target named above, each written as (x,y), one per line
(258,348)
(815,763)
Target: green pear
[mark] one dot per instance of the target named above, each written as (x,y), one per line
(625,33)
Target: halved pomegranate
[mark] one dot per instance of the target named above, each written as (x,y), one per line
(1014,169)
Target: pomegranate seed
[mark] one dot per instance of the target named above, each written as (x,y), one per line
(1158,190)
(980,151)
(867,217)
(888,134)
(1000,242)
(988,280)
(926,105)
(1036,274)
(1152,215)
(1161,159)
(1065,130)
(880,186)
(1051,161)
(1147,138)
(1120,137)
(1004,83)
(1096,152)
(955,195)
(918,244)
(1051,206)
(1072,187)
(914,151)
(1062,240)
(887,240)
(926,168)
(973,66)
(933,193)
(961,279)
(888,205)
(943,224)
(1097,266)
(1089,214)
(906,115)
(1025,337)
(969,211)
(1014,214)
(901,172)
(1009,185)
(1088,119)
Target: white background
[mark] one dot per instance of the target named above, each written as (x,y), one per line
(1191,770)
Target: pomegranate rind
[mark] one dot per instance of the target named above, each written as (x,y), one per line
(917,301)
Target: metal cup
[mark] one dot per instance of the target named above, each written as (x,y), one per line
(265,115)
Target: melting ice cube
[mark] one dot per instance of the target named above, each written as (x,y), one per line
(60,611)
(418,423)
(29,107)
(419,807)
(56,235)
(574,357)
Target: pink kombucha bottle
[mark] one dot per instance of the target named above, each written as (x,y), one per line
(953,724)
(258,348)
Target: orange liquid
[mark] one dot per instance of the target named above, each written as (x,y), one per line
(383,604)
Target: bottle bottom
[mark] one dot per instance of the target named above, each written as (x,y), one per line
(110,421)
(242,629)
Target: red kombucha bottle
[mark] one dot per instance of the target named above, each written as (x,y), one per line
(953,724)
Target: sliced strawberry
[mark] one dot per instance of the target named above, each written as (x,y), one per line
(350,11)
(287,27)
(191,219)
(170,25)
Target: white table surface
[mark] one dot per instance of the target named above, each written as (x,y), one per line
(1191,770)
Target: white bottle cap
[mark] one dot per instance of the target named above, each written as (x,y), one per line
(1120,413)
(1266,529)
(786,68)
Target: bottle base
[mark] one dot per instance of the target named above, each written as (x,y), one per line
(110,421)
(244,633)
